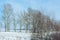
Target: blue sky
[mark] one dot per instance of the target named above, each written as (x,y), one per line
(48,7)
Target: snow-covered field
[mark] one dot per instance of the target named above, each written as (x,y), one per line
(14,36)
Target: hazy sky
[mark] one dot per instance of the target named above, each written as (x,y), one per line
(49,7)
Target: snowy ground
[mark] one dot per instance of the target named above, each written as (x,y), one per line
(14,36)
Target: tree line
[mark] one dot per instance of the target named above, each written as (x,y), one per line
(32,21)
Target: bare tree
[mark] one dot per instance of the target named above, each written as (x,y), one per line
(27,20)
(7,11)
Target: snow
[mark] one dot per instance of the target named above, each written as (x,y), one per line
(14,36)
